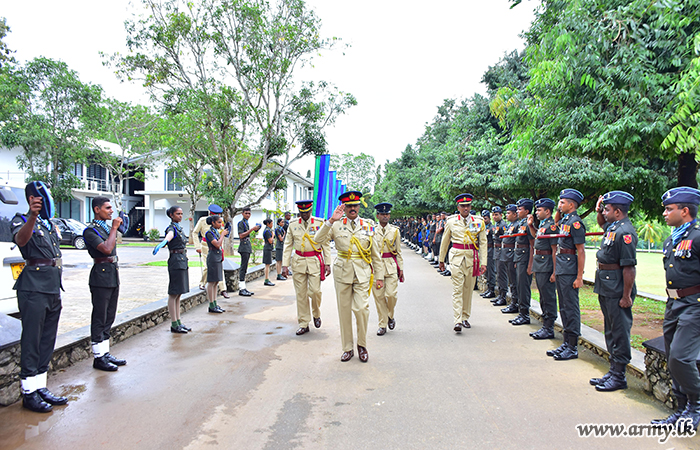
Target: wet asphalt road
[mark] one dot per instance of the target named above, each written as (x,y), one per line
(244,380)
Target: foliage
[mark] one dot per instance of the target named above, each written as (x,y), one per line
(5,52)
(153,234)
(358,172)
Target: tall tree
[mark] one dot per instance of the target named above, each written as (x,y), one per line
(358,172)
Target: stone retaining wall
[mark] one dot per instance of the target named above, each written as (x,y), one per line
(75,345)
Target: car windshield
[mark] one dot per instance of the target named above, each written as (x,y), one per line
(7,212)
(77,226)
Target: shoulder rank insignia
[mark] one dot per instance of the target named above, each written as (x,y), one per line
(577,225)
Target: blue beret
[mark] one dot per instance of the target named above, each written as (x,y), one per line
(464,199)
(472,212)
(511,207)
(383,208)
(525,203)
(545,203)
(572,194)
(681,194)
(215,209)
(485,213)
(618,198)
(496,209)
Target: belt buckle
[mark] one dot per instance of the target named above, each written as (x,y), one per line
(672,293)
(597,265)
(58,262)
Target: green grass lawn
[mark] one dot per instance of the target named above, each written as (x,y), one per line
(651,277)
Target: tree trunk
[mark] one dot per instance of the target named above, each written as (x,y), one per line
(687,169)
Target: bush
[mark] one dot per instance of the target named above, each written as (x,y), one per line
(153,234)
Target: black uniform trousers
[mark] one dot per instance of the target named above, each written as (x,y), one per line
(490,270)
(569,307)
(104,310)
(548,297)
(618,323)
(40,313)
(524,282)
(502,268)
(512,281)
(245,257)
(682,339)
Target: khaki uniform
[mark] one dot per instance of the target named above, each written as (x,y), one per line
(202,228)
(352,273)
(388,242)
(306,265)
(464,231)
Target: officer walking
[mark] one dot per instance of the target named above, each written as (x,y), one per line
(198,237)
(387,239)
(309,263)
(490,265)
(353,269)
(543,263)
(38,296)
(101,244)
(245,248)
(522,257)
(467,234)
(614,283)
(571,258)
(682,316)
(507,258)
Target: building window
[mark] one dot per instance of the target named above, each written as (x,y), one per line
(96,179)
(170,183)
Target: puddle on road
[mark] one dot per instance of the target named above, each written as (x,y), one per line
(73,391)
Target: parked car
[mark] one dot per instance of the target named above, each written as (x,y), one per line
(12,201)
(71,232)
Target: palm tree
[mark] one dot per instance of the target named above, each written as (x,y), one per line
(650,231)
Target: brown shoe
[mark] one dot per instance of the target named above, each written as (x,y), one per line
(465,324)
(381,331)
(302,330)
(317,322)
(364,356)
(224,294)
(347,356)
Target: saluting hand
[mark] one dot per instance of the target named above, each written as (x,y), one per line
(598,204)
(338,213)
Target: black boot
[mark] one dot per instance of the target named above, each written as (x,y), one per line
(34,402)
(489,294)
(604,378)
(103,363)
(616,380)
(691,412)
(570,352)
(521,320)
(511,309)
(558,350)
(673,418)
(51,399)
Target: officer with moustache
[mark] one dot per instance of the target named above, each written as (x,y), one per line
(682,316)
(507,258)
(467,234)
(543,263)
(38,289)
(387,239)
(571,259)
(358,263)
(308,259)
(490,265)
(101,244)
(522,258)
(614,284)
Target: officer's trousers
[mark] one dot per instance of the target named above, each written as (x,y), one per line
(618,323)
(40,313)
(462,289)
(307,287)
(524,283)
(512,281)
(502,267)
(490,270)
(569,307)
(385,299)
(548,297)
(682,339)
(104,310)
(245,257)
(353,298)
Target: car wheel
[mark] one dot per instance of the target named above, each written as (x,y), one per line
(79,243)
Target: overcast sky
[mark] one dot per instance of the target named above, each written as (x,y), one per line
(405,57)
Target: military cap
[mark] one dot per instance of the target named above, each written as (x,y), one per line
(617,198)
(681,194)
(545,203)
(304,205)
(215,209)
(572,194)
(511,207)
(350,197)
(485,213)
(383,208)
(40,189)
(464,199)
(525,203)
(496,209)
(472,212)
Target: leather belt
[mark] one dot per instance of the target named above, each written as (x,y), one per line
(522,246)
(490,245)
(43,262)
(464,246)
(108,259)
(178,250)
(307,254)
(600,266)
(496,245)
(679,293)
(543,252)
(508,245)
(568,251)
